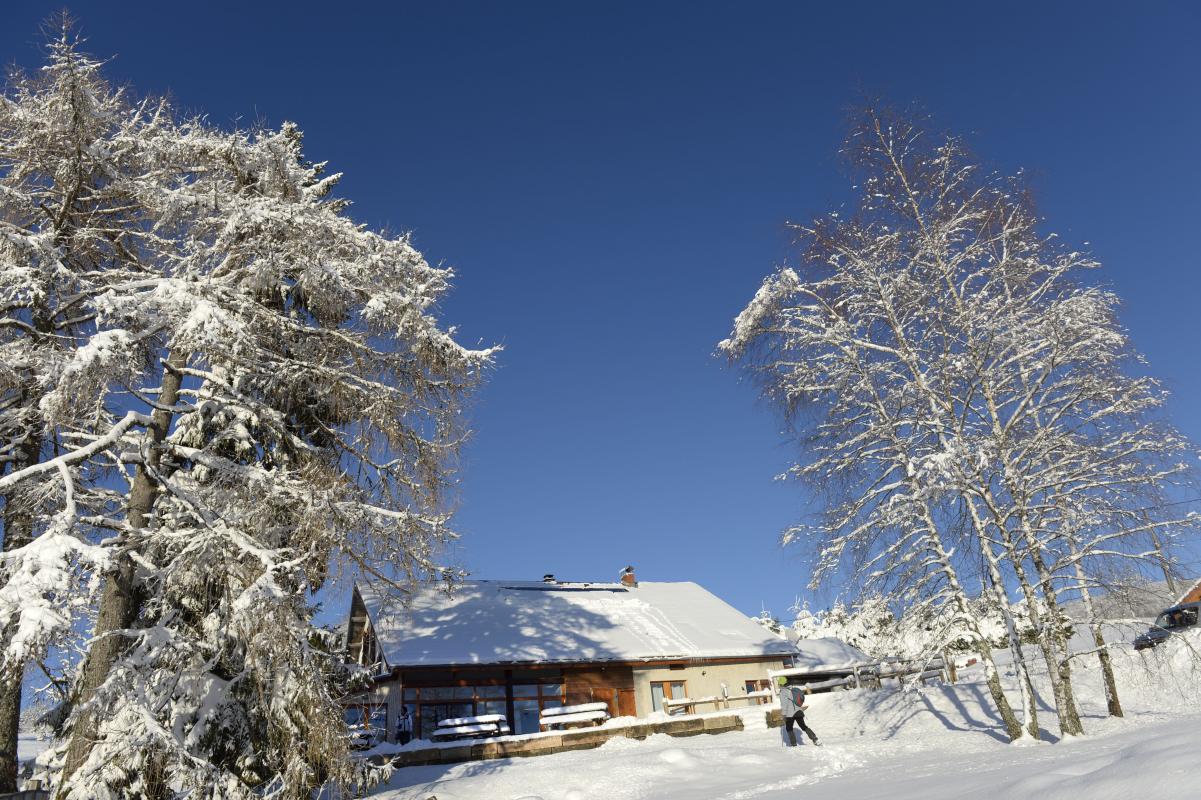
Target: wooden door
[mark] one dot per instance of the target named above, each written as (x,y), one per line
(626,705)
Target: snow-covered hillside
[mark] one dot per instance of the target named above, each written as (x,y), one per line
(924,744)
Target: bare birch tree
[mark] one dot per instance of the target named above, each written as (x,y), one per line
(956,367)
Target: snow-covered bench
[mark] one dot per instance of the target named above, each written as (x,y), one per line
(471,727)
(582,714)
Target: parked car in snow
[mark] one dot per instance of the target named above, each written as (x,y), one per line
(1172,620)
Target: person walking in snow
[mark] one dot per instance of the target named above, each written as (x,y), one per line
(404,726)
(792,709)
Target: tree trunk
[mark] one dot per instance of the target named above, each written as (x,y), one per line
(1029,706)
(10,717)
(960,599)
(1069,714)
(18,532)
(995,583)
(1065,705)
(1111,686)
(119,602)
(1013,727)
(1162,558)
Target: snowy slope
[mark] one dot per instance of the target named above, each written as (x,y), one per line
(937,742)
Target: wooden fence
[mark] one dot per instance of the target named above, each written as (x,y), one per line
(870,675)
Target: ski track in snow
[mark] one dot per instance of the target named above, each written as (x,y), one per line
(833,761)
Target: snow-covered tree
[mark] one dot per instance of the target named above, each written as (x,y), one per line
(254,388)
(968,397)
(64,229)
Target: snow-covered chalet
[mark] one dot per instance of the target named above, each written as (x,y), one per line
(515,648)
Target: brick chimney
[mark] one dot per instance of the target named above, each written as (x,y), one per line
(627,577)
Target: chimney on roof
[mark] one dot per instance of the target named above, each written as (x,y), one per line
(627,577)
(548,578)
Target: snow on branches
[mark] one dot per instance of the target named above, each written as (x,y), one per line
(965,401)
(215,385)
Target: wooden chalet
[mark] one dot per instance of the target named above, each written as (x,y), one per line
(516,648)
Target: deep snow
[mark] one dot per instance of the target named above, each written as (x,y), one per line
(924,744)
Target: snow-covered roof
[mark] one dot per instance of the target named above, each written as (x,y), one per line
(1191,596)
(825,654)
(494,622)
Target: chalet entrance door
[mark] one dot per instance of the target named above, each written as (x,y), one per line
(626,706)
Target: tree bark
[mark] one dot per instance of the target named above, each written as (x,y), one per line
(119,601)
(1111,687)
(1069,714)
(10,717)
(995,583)
(1164,562)
(18,532)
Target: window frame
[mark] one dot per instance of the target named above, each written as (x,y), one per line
(666,695)
(484,699)
(760,685)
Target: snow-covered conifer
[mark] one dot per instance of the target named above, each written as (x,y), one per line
(247,387)
(65,234)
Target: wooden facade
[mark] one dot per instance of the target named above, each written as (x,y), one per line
(522,689)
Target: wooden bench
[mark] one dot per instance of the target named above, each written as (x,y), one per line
(582,714)
(471,727)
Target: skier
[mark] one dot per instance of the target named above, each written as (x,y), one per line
(404,726)
(792,709)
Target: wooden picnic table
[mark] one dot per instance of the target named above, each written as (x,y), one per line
(471,727)
(562,716)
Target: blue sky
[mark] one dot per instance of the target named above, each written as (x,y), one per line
(611,181)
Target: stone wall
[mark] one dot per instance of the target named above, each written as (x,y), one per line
(582,739)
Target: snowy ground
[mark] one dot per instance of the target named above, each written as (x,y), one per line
(937,742)
(30,746)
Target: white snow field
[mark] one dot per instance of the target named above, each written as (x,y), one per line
(921,744)
(30,746)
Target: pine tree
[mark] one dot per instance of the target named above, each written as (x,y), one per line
(255,389)
(65,228)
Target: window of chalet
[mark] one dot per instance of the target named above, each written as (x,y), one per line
(431,704)
(529,700)
(759,685)
(667,690)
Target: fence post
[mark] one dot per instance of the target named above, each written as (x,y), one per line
(948,664)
